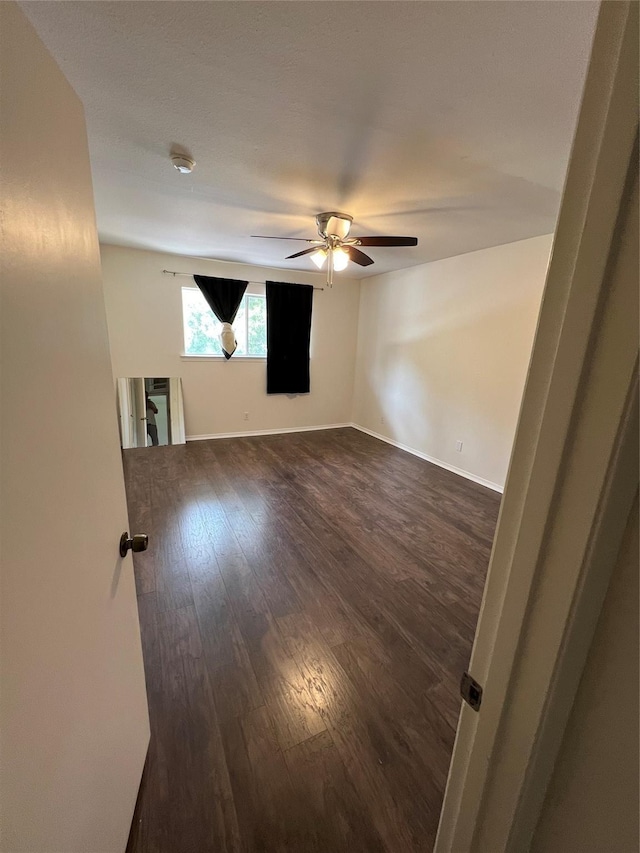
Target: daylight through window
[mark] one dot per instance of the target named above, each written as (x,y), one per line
(202,328)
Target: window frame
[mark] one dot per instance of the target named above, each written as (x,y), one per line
(253,289)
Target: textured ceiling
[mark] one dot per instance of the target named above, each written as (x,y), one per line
(449,121)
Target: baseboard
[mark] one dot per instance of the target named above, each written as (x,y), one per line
(249,433)
(284,430)
(459,471)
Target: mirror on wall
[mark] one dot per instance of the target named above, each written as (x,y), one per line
(150,411)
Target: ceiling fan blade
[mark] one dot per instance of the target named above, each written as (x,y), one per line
(388,241)
(358,257)
(303,239)
(303,252)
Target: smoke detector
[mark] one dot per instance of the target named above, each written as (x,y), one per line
(182,163)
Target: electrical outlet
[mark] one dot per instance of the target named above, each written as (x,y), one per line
(459,446)
(381,420)
(245,416)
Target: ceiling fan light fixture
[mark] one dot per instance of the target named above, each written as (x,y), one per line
(336,247)
(334,224)
(319,257)
(340,258)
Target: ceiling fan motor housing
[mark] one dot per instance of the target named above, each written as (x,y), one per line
(334,224)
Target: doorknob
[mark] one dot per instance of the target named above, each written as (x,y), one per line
(139,542)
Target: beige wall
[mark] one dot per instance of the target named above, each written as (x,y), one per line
(144,313)
(74,725)
(443,350)
(592,802)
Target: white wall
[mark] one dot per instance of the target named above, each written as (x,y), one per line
(74,725)
(592,802)
(443,350)
(144,314)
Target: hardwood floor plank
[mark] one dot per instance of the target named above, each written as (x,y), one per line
(363,742)
(410,754)
(419,729)
(249,605)
(294,713)
(211,818)
(173,585)
(266,561)
(218,629)
(340,821)
(179,634)
(235,690)
(266,802)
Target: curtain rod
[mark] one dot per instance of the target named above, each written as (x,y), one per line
(190,275)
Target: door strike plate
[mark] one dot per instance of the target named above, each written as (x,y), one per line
(471,691)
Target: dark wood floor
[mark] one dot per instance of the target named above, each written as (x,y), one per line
(307,606)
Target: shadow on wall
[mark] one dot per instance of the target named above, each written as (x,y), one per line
(452,380)
(423,302)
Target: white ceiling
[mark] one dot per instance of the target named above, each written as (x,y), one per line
(449,121)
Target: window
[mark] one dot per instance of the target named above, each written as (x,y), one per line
(202,328)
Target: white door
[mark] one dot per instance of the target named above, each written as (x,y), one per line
(74,721)
(125,411)
(140,411)
(176,411)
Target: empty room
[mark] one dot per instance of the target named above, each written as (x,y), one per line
(311,350)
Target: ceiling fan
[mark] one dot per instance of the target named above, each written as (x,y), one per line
(336,247)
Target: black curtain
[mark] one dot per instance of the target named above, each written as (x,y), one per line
(224,296)
(288,335)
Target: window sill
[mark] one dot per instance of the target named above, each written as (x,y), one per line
(186,357)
